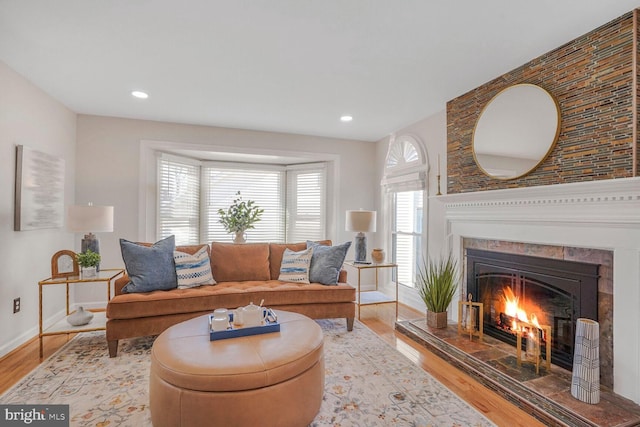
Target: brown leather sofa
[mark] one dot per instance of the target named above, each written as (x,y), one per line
(244,273)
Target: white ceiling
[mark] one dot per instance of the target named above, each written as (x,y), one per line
(291,66)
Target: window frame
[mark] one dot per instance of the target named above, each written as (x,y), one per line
(296,170)
(145,231)
(419,237)
(405,174)
(324,167)
(242,167)
(186,161)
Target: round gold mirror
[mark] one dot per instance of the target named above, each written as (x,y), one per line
(516,131)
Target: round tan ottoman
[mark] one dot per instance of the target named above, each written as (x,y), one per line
(274,379)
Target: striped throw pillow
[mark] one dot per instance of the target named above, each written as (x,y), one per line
(193,270)
(295,266)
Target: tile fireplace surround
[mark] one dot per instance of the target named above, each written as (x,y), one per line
(603,215)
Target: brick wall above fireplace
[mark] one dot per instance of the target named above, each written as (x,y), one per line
(592,78)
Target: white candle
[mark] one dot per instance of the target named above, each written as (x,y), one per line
(438,164)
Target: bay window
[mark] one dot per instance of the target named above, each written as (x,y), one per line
(190,192)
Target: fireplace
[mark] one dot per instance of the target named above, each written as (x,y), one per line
(595,222)
(556,292)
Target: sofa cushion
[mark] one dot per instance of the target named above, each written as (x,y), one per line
(326,262)
(149,267)
(276,250)
(295,266)
(225,294)
(232,262)
(192,249)
(193,270)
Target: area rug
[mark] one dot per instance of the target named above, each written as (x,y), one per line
(368,383)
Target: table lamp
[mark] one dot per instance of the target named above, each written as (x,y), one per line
(89,219)
(362,222)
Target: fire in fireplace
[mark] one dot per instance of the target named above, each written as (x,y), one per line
(525,295)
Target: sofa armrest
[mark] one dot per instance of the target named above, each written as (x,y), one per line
(342,277)
(120,283)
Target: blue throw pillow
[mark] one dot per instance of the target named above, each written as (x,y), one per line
(326,262)
(149,268)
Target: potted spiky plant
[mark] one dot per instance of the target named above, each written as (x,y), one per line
(240,217)
(437,283)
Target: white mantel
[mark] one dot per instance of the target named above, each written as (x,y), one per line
(600,214)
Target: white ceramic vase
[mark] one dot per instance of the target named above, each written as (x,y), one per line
(240,237)
(80,317)
(585,381)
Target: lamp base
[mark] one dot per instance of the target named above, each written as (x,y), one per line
(92,243)
(361,247)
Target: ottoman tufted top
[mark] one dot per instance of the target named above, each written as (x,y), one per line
(184,356)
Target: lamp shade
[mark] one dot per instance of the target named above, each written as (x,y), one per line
(89,218)
(361,221)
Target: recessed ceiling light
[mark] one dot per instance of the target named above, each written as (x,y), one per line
(346,118)
(139,94)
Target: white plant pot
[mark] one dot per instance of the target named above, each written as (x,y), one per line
(89,272)
(240,237)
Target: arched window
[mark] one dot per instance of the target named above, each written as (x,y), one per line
(403,152)
(405,165)
(405,182)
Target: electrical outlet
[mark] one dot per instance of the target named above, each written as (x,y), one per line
(16,305)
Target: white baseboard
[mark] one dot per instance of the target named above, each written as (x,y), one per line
(18,341)
(32,332)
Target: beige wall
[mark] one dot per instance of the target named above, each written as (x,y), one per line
(108,170)
(102,159)
(29,117)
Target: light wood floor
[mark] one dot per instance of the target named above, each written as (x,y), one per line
(380,319)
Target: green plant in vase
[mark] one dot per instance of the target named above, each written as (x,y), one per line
(437,283)
(240,217)
(89,261)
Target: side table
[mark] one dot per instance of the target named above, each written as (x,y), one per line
(99,320)
(375,296)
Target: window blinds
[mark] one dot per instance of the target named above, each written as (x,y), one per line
(191,192)
(306,203)
(407,234)
(265,186)
(178,199)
